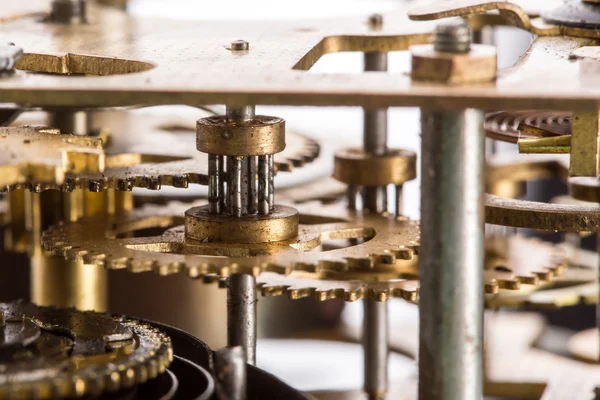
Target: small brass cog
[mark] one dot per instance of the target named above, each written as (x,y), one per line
(48,353)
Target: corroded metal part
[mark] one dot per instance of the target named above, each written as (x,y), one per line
(102,242)
(33,157)
(65,353)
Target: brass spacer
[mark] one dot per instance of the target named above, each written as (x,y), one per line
(585,188)
(280,224)
(354,166)
(477,66)
(262,136)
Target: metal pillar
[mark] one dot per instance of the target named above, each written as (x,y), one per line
(451,256)
(241,314)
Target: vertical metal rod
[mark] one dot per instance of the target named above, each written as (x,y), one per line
(70,121)
(451,256)
(240,114)
(375,344)
(271,162)
(375,135)
(263,185)
(375,320)
(252,201)
(235,182)
(245,183)
(214,184)
(231,373)
(398,200)
(352,192)
(241,314)
(221,185)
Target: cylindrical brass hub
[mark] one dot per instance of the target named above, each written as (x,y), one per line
(260,136)
(357,167)
(280,224)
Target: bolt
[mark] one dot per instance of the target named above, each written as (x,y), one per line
(68,12)
(240,45)
(375,20)
(9,55)
(452,37)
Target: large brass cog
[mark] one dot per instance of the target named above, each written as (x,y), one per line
(390,244)
(48,352)
(149,151)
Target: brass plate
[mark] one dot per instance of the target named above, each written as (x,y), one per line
(273,71)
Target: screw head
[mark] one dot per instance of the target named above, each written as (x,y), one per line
(240,45)
(9,55)
(375,20)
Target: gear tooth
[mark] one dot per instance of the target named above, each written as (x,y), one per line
(269,291)
(384,258)
(284,166)
(180,181)
(405,253)
(528,279)
(491,287)
(300,293)
(510,284)
(359,263)
(545,276)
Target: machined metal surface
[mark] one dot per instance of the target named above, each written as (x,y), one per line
(504,125)
(574,13)
(451,257)
(358,167)
(241,315)
(230,366)
(98,353)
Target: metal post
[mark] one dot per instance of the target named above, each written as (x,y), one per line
(215,193)
(451,256)
(241,314)
(375,136)
(251,185)
(375,344)
(263,185)
(271,163)
(231,373)
(68,11)
(75,122)
(375,320)
(235,183)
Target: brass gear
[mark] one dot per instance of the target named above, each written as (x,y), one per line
(510,262)
(504,125)
(36,158)
(578,284)
(390,244)
(49,352)
(150,151)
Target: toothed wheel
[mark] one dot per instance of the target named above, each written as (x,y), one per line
(386,240)
(147,151)
(48,353)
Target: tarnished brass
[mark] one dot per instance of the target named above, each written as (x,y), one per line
(101,242)
(261,136)
(64,353)
(546,145)
(280,224)
(479,65)
(33,157)
(543,216)
(585,144)
(356,167)
(585,189)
